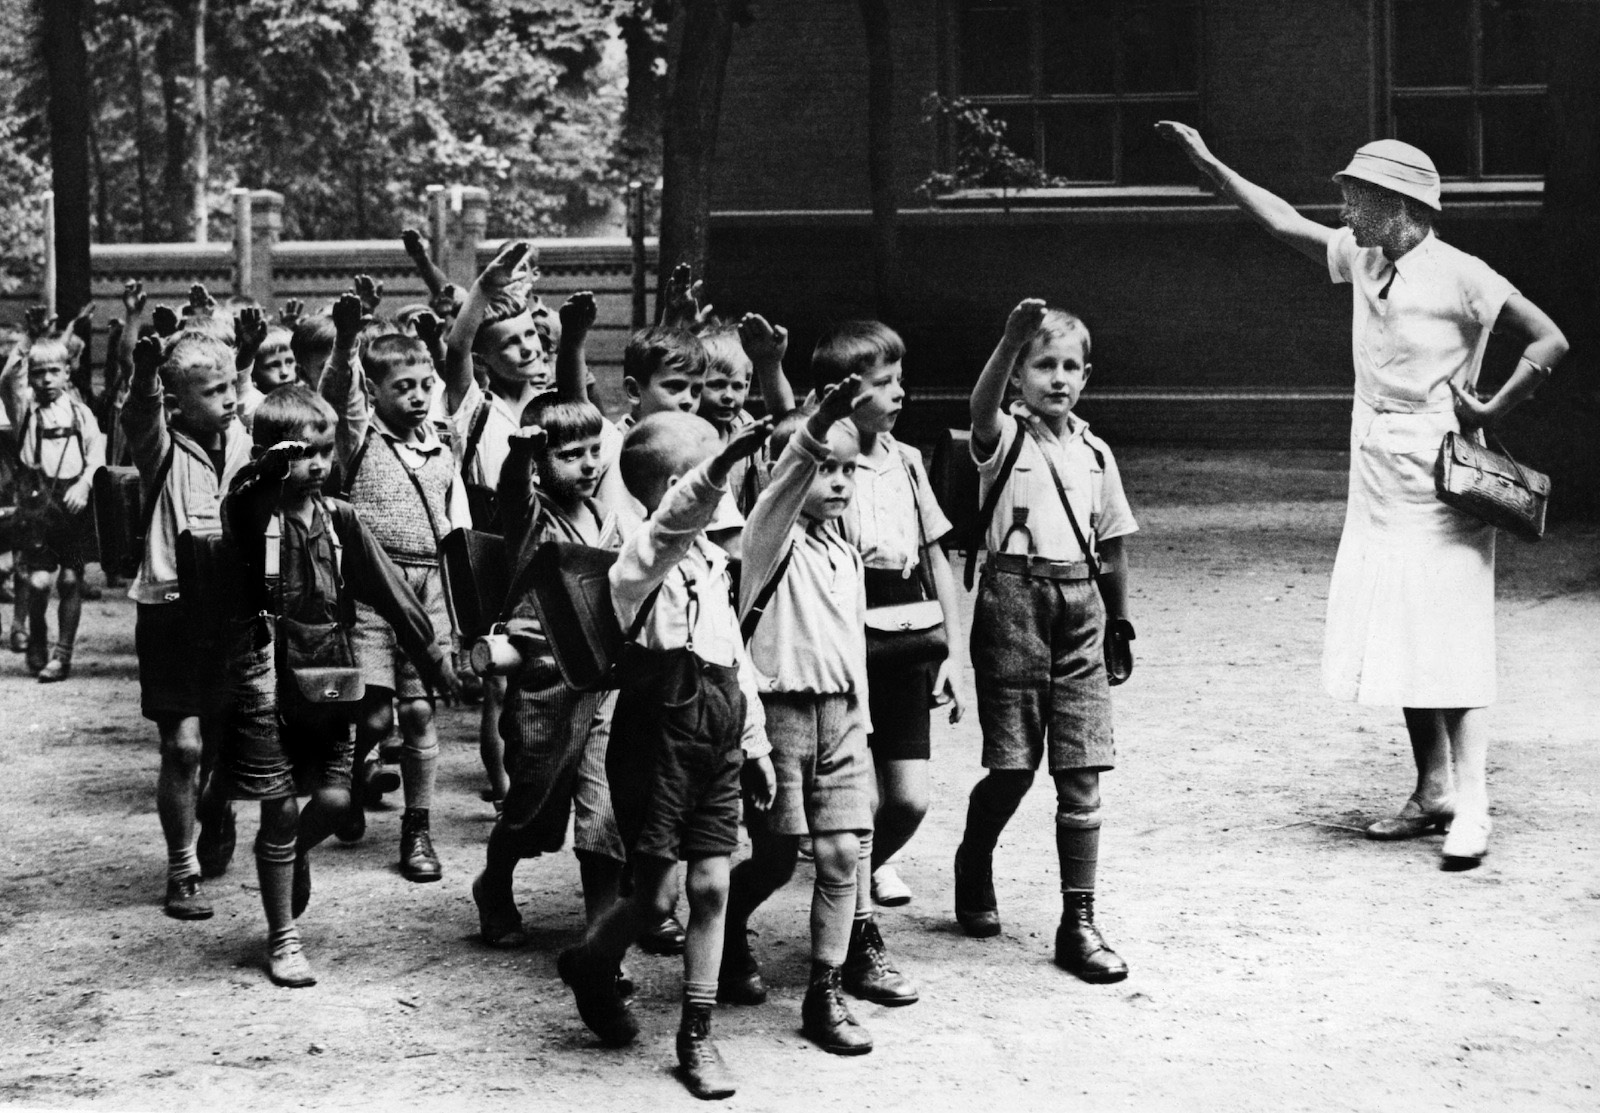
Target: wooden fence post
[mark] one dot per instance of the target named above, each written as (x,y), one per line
(48,201)
(243,249)
(467,219)
(266,226)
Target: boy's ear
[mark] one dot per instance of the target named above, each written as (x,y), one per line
(369,386)
(631,387)
(1087,368)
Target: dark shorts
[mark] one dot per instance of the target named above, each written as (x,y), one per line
(674,756)
(57,538)
(556,740)
(1037,652)
(267,757)
(899,698)
(180,675)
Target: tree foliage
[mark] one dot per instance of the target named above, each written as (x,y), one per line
(980,156)
(350,108)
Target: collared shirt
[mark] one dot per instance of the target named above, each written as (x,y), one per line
(811,637)
(1088,473)
(501,421)
(894,514)
(694,608)
(1419,322)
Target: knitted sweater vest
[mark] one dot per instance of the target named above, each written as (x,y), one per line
(387,501)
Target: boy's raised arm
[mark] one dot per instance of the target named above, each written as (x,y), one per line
(144,418)
(347,397)
(989,395)
(766,344)
(577,315)
(1266,208)
(504,269)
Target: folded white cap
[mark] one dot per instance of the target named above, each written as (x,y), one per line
(1396,166)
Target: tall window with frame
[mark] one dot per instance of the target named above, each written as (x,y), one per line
(1081,83)
(1467,82)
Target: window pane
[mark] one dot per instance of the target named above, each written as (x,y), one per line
(1514,136)
(1147,159)
(1077,142)
(1078,46)
(1432,42)
(995,48)
(1159,43)
(1019,128)
(1516,42)
(1441,126)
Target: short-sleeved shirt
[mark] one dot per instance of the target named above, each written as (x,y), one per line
(894,513)
(1088,472)
(1428,326)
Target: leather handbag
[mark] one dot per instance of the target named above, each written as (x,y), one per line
(570,586)
(316,663)
(1491,486)
(901,635)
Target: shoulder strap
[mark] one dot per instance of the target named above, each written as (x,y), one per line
(356,461)
(1088,555)
(747,627)
(158,486)
(986,513)
(480,421)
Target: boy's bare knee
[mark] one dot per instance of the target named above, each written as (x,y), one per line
(707,890)
(416,716)
(837,854)
(41,581)
(377,716)
(333,798)
(1078,791)
(180,744)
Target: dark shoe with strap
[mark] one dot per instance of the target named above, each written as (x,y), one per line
(977,910)
(499,922)
(58,668)
(184,899)
(1080,948)
(219,833)
(868,973)
(826,1020)
(418,862)
(739,980)
(666,938)
(700,1064)
(594,987)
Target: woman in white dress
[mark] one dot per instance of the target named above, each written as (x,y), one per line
(1411,605)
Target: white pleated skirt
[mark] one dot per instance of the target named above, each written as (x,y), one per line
(1411,605)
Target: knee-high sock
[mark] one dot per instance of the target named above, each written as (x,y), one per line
(832,914)
(1078,849)
(864,905)
(993,802)
(275,870)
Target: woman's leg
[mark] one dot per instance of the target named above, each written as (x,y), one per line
(1468,840)
(1430,748)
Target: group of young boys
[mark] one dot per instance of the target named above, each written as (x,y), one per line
(787,615)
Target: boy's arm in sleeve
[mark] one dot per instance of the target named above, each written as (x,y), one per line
(144,414)
(989,393)
(754,740)
(14,385)
(772,518)
(656,548)
(1114,578)
(515,491)
(374,579)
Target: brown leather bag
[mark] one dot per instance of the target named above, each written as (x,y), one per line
(1491,486)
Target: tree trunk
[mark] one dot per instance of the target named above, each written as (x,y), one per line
(141,164)
(640,144)
(177,188)
(66,62)
(202,124)
(697,53)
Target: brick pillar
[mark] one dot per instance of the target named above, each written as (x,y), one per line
(466,221)
(266,228)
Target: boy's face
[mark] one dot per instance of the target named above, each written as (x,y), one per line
(834,485)
(274,367)
(403,397)
(670,388)
(513,351)
(48,380)
(884,395)
(307,474)
(1052,376)
(572,472)
(726,387)
(206,397)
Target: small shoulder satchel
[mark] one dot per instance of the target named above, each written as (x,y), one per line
(1491,486)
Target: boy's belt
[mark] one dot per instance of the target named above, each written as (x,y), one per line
(1037,567)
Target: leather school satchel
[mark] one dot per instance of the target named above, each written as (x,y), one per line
(120,518)
(905,633)
(1491,486)
(315,661)
(570,586)
(483,502)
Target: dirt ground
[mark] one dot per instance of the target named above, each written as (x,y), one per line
(1280,961)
